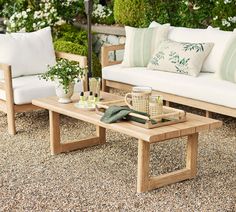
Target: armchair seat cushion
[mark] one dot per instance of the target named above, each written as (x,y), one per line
(205,87)
(27,88)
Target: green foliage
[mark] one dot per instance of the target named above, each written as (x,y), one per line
(131,12)
(74,48)
(73,40)
(65,71)
(194,13)
(103,14)
(186,13)
(9,7)
(68,11)
(224,14)
(47,13)
(162,11)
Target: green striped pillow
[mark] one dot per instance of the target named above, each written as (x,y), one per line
(141,44)
(227,69)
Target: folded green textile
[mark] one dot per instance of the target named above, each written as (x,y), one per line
(117,113)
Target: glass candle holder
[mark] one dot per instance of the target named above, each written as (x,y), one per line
(155,106)
(95,85)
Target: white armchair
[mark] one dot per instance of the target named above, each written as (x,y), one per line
(16,94)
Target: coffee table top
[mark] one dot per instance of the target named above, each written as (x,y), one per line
(194,123)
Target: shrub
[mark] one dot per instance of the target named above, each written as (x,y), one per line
(224,14)
(162,11)
(102,14)
(139,13)
(131,12)
(31,15)
(194,13)
(74,48)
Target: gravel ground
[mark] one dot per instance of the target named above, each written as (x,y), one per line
(103,178)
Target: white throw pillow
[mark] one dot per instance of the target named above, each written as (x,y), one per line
(209,35)
(141,44)
(27,53)
(156,24)
(183,58)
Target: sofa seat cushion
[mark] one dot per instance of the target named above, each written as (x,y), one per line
(205,87)
(31,87)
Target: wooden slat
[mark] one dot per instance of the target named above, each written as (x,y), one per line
(75,145)
(25,108)
(166,179)
(82,60)
(105,54)
(2,86)
(213,123)
(198,123)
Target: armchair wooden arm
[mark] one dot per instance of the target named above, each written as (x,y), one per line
(82,60)
(105,54)
(9,106)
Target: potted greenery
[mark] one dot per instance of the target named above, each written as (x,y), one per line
(65,73)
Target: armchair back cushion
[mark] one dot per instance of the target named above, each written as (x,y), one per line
(27,53)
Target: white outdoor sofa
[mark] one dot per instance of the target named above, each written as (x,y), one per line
(206,92)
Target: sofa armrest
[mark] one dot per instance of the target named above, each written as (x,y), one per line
(105,54)
(82,60)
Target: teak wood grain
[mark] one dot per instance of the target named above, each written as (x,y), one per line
(146,137)
(193,124)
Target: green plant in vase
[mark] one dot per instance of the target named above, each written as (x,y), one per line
(65,74)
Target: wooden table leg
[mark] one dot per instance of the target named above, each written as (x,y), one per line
(101,133)
(192,151)
(146,183)
(58,147)
(54,121)
(143,166)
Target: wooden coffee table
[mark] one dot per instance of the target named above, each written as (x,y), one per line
(146,137)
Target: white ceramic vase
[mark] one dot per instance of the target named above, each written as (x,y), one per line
(64,97)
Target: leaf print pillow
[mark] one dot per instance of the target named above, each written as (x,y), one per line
(179,57)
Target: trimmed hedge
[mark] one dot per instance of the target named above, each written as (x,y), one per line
(74,48)
(70,39)
(191,13)
(131,12)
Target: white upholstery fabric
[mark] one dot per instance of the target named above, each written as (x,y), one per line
(210,35)
(27,53)
(204,87)
(31,87)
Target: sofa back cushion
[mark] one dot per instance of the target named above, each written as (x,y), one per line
(210,35)
(180,57)
(227,69)
(141,44)
(27,53)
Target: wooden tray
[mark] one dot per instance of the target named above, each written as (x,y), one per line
(170,115)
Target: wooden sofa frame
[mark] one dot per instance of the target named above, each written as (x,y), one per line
(10,108)
(208,107)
